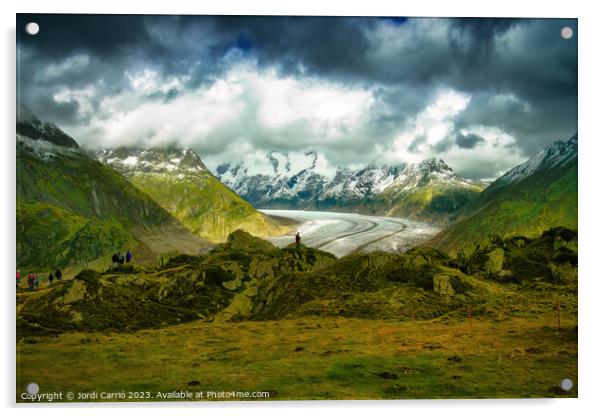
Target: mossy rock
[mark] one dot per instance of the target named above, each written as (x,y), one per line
(217,276)
(182,259)
(244,242)
(122,269)
(495,261)
(565,255)
(563,233)
(442,285)
(563,273)
(88,276)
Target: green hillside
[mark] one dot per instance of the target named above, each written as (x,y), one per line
(433,202)
(179,181)
(545,198)
(206,206)
(72,209)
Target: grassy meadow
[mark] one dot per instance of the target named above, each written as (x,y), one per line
(316,358)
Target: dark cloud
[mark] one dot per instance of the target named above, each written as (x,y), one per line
(63,34)
(468,141)
(474,38)
(443,145)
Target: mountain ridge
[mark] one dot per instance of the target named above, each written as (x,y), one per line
(404,190)
(181,183)
(72,209)
(536,195)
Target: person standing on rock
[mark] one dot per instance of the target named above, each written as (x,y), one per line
(128,256)
(50,278)
(58,275)
(298,240)
(115,259)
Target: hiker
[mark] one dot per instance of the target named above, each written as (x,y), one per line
(120,258)
(18,278)
(298,240)
(128,256)
(58,275)
(50,278)
(30,280)
(115,259)
(36,281)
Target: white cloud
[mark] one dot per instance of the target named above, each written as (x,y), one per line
(247,112)
(497,153)
(245,103)
(429,127)
(328,108)
(149,81)
(436,125)
(83,97)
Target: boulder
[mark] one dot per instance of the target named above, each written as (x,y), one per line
(261,267)
(244,242)
(562,273)
(495,261)
(442,285)
(240,307)
(76,292)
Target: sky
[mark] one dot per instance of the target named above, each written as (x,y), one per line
(481,94)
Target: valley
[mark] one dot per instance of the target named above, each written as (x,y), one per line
(409,282)
(305,206)
(344,233)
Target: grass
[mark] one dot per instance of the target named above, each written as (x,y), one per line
(316,358)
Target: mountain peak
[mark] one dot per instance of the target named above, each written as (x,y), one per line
(557,154)
(434,165)
(30,126)
(153,160)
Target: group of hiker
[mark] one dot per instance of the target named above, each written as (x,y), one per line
(119,259)
(33,280)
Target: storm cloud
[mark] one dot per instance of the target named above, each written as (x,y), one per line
(468,141)
(482,94)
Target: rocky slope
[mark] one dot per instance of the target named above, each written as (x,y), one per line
(429,190)
(72,209)
(536,195)
(179,181)
(248,278)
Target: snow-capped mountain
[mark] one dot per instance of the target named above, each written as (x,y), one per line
(370,189)
(30,126)
(530,198)
(427,173)
(302,182)
(556,155)
(156,160)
